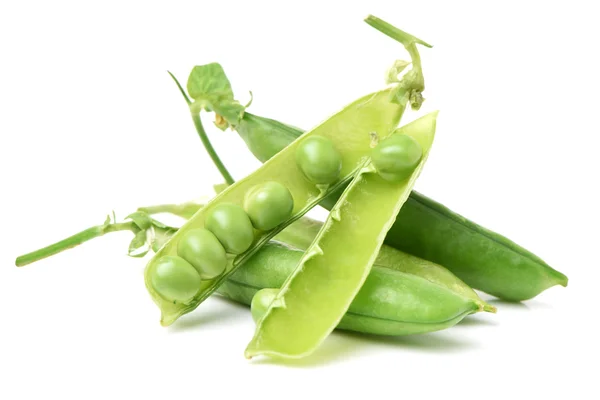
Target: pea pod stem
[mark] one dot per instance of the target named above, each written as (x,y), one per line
(203,136)
(184,210)
(397,34)
(75,240)
(407,40)
(210,149)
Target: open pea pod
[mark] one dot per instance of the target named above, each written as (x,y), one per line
(331,272)
(350,133)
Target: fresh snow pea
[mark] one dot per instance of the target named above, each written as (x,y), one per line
(371,114)
(337,263)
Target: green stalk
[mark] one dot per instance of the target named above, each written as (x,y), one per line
(203,137)
(397,34)
(184,210)
(75,240)
(210,150)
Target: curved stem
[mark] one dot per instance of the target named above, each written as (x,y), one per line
(203,137)
(210,150)
(185,96)
(75,240)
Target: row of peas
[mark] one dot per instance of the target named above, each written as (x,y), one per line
(202,254)
(229,228)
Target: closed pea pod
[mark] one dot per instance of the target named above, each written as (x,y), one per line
(402,295)
(268,205)
(265,137)
(414,306)
(231,225)
(203,251)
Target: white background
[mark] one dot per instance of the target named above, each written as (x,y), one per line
(91,122)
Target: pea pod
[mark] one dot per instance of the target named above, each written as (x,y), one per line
(349,132)
(483,259)
(420,296)
(296,323)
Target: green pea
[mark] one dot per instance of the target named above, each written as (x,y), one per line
(319,160)
(261,302)
(203,250)
(231,225)
(396,157)
(268,205)
(175,279)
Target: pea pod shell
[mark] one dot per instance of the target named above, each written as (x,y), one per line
(335,266)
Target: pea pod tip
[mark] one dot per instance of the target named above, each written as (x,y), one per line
(488,308)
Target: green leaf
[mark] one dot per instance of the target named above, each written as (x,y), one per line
(211,90)
(139,246)
(209,81)
(159,224)
(141,219)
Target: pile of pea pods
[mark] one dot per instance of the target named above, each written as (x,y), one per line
(387,260)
